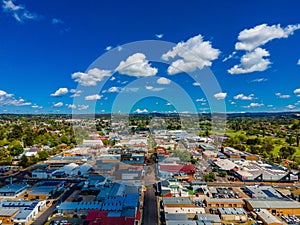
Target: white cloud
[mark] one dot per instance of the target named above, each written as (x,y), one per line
(159,36)
(91,78)
(75,93)
(20,13)
(136,65)
(120,48)
(279,95)
(290,106)
(83,107)
(194,53)
(35,106)
(57,21)
(92,97)
(229,57)
(163,80)
(298,63)
(108,48)
(201,100)
(151,88)
(259,80)
(112,78)
(132,89)
(9,99)
(243,97)
(113,89)
(220,95)
(71,106)
(197,84)
(297,92)
(251,62)
(250,39)
(254,105)
(18,102)
(168,104)
(141,111)
(58,104)
(60,92)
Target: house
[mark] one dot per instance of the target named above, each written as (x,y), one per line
(26,210)
(274,205)
(224,203)
(232,214)
(13,190)
(42,173)
(44,190)
(267,218)
(7,215)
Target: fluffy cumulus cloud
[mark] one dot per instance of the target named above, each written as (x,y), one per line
(290,106)
(243,97)
(58,104)
(60,92)
(35,106)
(194,53)
(251,62)
(92,97)
(220,95)
(297,92)
(279,95)
(163,80)
(82,107)
(113,89)
(201,100)
(71,106)
(136,65)
(151,88)
(9,99)
(197,84)
(249,39)
(75,93)
(19,12)
(91,78)
(141,111)
(159,36)
(254,105)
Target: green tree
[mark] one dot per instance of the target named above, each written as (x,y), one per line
(24,161)
(209,177)
(16,150)
(43,155)
(286,152)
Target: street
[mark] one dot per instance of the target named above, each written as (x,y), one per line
(150,216)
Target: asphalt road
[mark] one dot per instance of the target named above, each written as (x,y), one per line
(150,216)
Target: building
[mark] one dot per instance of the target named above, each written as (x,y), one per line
(44,190)
(232,214)
(13,190)
(267,218)
(7,215)
(224,203)
(81,208)
(42,173)
(262,192)
(26,210)
(97,217)
(274,205)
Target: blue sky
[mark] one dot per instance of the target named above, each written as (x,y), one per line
(238,56)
